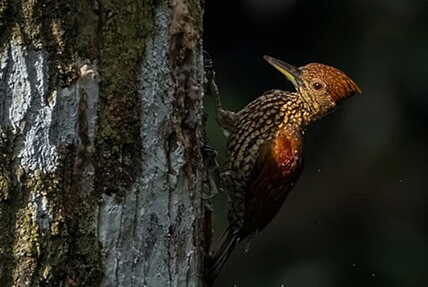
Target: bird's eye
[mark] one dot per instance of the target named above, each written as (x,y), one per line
(317,86)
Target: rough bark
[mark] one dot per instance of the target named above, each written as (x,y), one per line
(101,172)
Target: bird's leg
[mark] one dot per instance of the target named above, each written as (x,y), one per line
(225,118)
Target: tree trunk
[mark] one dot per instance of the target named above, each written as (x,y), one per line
(101,172)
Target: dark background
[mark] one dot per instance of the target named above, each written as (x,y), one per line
(358,215)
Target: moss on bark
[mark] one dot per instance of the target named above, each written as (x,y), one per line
(125,24)
(10,197)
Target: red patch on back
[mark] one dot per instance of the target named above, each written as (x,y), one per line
(277,168)
(287,151)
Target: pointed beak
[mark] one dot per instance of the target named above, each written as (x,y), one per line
(289,71)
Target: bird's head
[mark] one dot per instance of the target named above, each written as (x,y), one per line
(321,87)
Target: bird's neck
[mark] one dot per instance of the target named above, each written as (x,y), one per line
(301,111)
(312,109)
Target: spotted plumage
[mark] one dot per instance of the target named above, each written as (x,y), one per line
(265,147)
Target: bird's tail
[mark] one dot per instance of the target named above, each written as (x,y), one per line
(228,240)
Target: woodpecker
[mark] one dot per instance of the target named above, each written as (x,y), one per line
(265,147)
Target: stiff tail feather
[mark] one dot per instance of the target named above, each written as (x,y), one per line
(228,240)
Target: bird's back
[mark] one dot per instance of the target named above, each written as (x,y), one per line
(253,170)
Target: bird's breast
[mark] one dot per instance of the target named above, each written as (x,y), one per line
(287,150)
